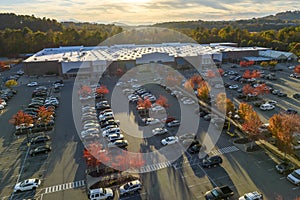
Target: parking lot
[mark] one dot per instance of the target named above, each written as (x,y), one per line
(62,171)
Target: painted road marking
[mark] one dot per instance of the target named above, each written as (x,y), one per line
(224,150)
(65,186)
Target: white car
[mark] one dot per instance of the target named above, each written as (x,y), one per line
(294,177)
(173,123)
(1,107)
(106,133)
(169,140)
(101,194)
(32,84)
(272,102)
(151,121)
(114,137)
(233,87)
(91,125)
(267,107)
(159,131)
(90,131)
(219,86)
(157,108)
(28,184)
(188,102)
(130,187)
(252,196)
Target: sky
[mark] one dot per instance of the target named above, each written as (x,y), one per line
(144,12)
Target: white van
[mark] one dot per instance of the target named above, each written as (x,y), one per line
(101,193)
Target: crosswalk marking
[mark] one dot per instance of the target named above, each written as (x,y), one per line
(154,167)
(66,186)
(224,150)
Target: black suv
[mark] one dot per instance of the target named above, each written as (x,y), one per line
(211,161)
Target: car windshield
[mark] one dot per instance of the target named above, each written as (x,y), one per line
(215,193)
(296,175)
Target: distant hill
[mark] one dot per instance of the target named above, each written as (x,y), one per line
(13,21)
(275,22)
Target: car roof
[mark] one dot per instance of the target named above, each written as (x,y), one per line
(97,190)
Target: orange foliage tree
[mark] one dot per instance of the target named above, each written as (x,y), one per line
(251,126)
(224,104)
(21,118)
(283,126)
(247,74)
(162,101)
(221,71)
(262,89)
(244,109)
(203,91)
(44,115)
(102,90)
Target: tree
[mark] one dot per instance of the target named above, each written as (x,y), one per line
(224,104)
(203,91)
(143,105)
(244,109)
(283,126)
(44,115)
(210,74)
(247,74)
(21,119)
(221,71)
(262,89)
(272,64)
(251,126)
(264,64)
(85,90)
(248,90)
(297,69)
(101,91)
(11,83)
(162,101)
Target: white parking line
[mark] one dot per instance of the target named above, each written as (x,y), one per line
(295,188)
(271,169)
(282,178)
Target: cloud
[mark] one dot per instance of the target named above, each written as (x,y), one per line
(145,11)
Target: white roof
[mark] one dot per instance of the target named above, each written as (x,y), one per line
(277,54)
(129,52)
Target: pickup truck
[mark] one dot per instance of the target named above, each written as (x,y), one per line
(219,193)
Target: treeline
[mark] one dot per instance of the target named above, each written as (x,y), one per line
(17,41)
(286,39)
(271,22)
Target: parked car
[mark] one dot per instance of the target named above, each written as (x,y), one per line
(211,161)
(187,136)
(169,140)
(267,107)
(252,196)
(219,193)
(296,96)
(285,167)
(130,187)
(28,184)
(294,177)
(40,139)
(32,84)
(101,194)
(151,121)
(281,94)
(233,87)
(40,149)
(111,131)
(173,123)
(291,111)
(159,131)
(115,136)
(118,143)
(194,148)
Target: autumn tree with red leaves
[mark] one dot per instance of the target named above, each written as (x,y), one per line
(85,90)
(44,115)
(143,105)
(254,74)
(221,71)
(251,126)
(282,126)
(248,89)
(297,69)
(162,101)
(101,91)
(210,74)
(21,118)
(262,89)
